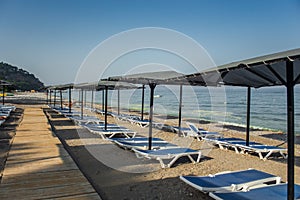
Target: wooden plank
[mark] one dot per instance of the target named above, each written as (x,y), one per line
(46,165)
(48,192)
(42,175)
(91,196)
(39,167)
(43,183)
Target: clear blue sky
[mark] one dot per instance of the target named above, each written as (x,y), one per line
(51,38)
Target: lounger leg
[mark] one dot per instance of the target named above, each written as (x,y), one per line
(283,155)
(191,158)
(173,161)
(260,155)
(268,155)
(236,150)
(102,136)
(162,164)
(199,157)
(112,135)
(221,146)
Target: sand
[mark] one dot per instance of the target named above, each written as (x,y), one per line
(110,168)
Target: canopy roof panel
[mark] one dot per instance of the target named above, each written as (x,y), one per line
(269,70)
(61,87)
(101,85)
(162,77)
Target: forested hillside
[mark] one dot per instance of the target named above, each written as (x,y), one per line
(19,78)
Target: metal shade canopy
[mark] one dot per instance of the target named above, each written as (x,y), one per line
(162,77)
(3,84)
(152,79)
(61,87)
(104,86)
(271,70)
(256,72)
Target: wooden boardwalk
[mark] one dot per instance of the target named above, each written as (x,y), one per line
(38,166)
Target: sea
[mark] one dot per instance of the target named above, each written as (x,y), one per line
(227,105)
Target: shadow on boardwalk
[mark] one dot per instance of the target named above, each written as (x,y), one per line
(7,133)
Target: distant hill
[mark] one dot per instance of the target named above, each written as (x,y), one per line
(21,79)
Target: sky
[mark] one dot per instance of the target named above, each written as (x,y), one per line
(53,38)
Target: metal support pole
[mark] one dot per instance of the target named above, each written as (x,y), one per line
(106,95)
(81,103)
(179,112)
(47,96)
(54,98)
(248,116)
(290,128)
(143,102)
(50,98)
(103,100)
(79,96)
(84,98)
(92,101)
(70,100)
(152,87)
(118,101)
(3,91)
(61,101)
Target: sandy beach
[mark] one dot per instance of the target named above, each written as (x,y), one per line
(113,172)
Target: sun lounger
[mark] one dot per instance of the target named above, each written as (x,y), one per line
(4,114)
(111,131)
(142,123)
(269,192)
(144,145)
(102,125)
(223,143)
(86,120)
(126,117)
(66,113)
(8,107)
(183,130)
(172,154)
(201,134)
(230,181)
(239,145)
(261,149)
(138,140)
(103,112)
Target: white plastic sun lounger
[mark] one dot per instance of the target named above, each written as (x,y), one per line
(201,134)
(102,126)
(229,181)
(86,120)
(138,140)
(113,132)
(8,107)
(142,123)
(261,149)
(223,143)
(239,145)
(183,130)
(145,145)
(172,154)
(270,192)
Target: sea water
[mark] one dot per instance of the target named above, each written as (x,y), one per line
(218,104)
